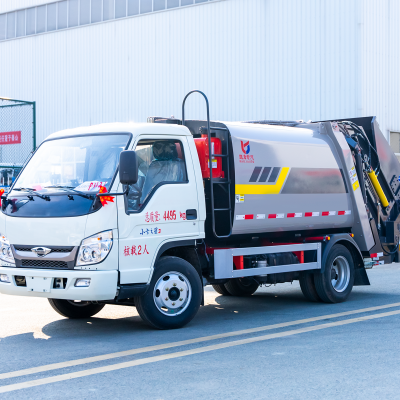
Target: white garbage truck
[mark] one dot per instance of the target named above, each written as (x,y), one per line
(147,215)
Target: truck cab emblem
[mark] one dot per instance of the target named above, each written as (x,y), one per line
(41,251)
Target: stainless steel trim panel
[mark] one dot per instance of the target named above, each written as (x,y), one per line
(223,260)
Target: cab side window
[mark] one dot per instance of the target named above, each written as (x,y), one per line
(160,162)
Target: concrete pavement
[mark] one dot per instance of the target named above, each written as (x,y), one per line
(290,348)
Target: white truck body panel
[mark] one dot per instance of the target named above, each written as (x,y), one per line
(146,231)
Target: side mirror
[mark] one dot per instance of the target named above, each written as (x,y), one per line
(128,167)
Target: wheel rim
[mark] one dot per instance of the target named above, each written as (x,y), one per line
(340,274)
(172,294)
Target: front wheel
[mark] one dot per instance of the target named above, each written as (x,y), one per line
(174,295)
(75,309)
(335,284)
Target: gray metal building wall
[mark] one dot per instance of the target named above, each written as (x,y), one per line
(255,59)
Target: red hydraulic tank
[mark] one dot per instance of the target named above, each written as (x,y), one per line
(203,152)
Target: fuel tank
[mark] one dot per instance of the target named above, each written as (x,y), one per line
(288,179)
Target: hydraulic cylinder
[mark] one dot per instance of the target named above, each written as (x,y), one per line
(378,188)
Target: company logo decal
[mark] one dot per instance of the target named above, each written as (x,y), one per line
(245,157)
(245,147)
(41,251)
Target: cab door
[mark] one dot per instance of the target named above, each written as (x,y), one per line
(161,207)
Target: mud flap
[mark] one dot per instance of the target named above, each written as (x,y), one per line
(361,277)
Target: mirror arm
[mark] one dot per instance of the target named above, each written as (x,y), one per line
(114,194)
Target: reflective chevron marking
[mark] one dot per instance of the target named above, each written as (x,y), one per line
(276,216)
(294,215)
(311,214)
(243,217)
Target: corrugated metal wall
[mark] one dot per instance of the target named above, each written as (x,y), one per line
(255,59)
(11,5)
(380,27)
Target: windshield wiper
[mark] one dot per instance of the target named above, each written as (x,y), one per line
(32,192)
(71,189)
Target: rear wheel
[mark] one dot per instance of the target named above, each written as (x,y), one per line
(75,309)
(335,284)
(307,286)
(221,290)
(241,286)
(174,295)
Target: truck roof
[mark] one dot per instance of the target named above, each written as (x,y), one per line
(173,129)
(131,127)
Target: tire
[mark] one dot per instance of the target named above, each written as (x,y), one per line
(335,284)
(171,274)
(241,286)
(75,310)
(221,290)
(307,286)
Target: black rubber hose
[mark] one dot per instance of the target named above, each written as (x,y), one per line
(360,175)
(387,253)
(364,136)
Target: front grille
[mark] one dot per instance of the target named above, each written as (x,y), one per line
(44,264)
(53,250)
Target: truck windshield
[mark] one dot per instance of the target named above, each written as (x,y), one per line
(83,163)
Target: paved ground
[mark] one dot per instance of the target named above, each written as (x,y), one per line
(354,355)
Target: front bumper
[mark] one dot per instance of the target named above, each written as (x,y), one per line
(103,284)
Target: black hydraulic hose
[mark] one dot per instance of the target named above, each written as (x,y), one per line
(360,175)
(369,149)
(358,133)
(388,253)
(365,137)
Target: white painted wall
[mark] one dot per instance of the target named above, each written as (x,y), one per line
(255,59)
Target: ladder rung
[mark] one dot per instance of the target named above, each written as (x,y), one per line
(217,129)
(219,155)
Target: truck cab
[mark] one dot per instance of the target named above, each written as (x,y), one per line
(61,240)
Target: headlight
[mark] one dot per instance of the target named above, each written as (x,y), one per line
(6,254)
(95,248)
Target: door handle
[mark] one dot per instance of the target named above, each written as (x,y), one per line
(191,214)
